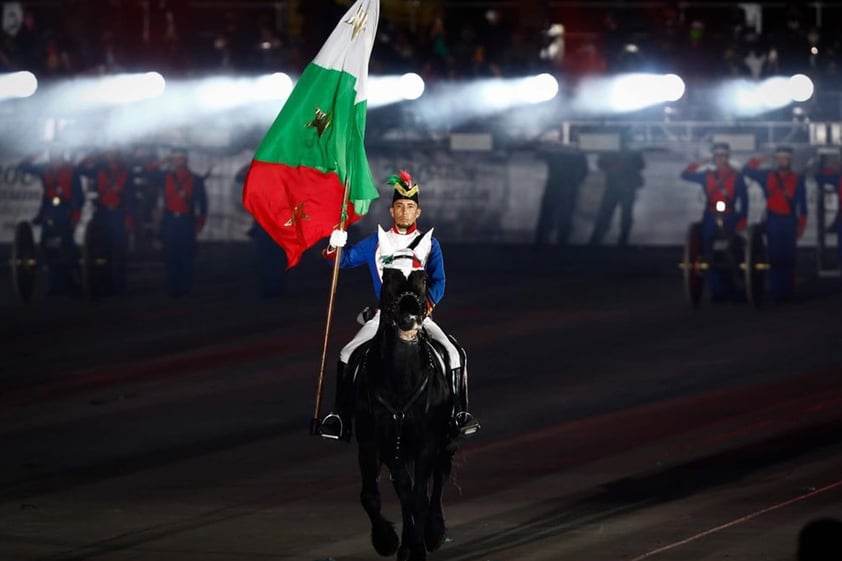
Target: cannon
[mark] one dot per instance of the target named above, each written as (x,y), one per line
(739,257)
(87,265)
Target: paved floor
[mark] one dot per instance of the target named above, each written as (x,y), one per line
(617,423)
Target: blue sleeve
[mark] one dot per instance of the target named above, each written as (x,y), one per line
(200,197)
(435,273)
(741,197)
(695,176)
(77,194)
(32,169)
(88,167)
(759,175)
(360,253)
(800,197)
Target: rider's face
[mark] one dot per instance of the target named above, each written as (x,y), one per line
(721,159)
(404,213)
(784,161)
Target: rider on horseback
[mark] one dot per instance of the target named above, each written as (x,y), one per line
(404,233)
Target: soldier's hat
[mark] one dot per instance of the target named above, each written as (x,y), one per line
(404,188)
(784,151)
(721,148)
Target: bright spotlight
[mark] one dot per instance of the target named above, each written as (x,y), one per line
(672,87)
(128,88)
(411,86)
(774,92)
(538,89)
(273,86)
(800,88)
(17,84)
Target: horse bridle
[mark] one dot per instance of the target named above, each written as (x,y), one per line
(398,415)
(393,307)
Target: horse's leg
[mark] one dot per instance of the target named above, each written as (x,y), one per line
(435,529)
(402,481)
(383,535)
(419,504)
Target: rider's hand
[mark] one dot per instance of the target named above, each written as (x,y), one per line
(338,238)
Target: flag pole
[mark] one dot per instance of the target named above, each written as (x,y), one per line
(334,281)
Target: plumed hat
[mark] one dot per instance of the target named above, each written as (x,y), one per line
(404,188)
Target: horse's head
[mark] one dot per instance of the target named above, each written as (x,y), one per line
(403,298)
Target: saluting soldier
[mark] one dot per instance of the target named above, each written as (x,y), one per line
(62,200)
(114,208)
(726,208)
(786,217)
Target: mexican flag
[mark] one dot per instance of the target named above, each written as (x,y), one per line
(296,181)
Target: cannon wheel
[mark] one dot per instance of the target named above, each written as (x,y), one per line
(756,265)
(95,271)
(693,274)
(24,262)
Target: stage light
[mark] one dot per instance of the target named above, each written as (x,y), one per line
(538,89)
(743,97)
(411,86)
(672,86)
(774,92)
(631,92)
(386,90)
(800,88)
(272,86)
(17,85)
(127,88)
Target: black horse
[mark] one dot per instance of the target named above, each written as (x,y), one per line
(402,415)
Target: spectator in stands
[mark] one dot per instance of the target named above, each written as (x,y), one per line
(466,53)
(29,44)
(494,41)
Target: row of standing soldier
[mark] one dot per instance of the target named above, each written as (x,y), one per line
(129,196)
(784,221)
(785,216)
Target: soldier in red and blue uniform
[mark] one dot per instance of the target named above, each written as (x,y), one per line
(726,209)
(146,178)
(61,208)
(786,217)
(113,184)
(185,214)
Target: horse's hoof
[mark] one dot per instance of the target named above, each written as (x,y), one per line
(434,533)
(407,553)
(384,539)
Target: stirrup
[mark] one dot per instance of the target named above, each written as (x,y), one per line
(333,431)
(465,423)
